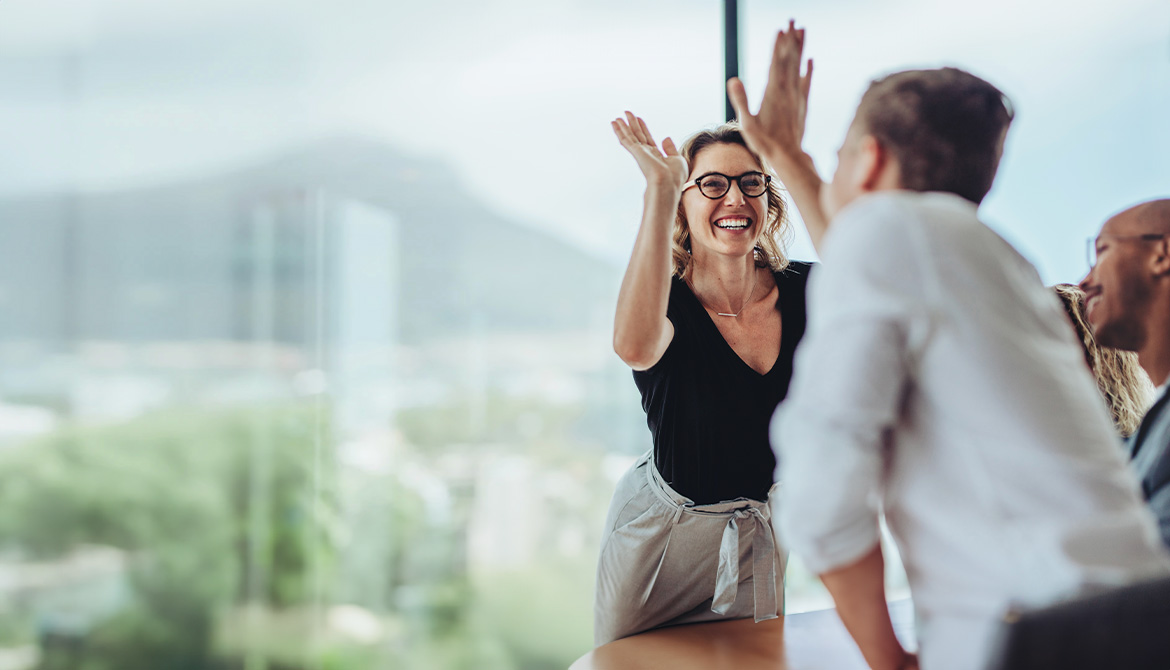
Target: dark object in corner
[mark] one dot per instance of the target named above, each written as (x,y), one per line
(1121,629)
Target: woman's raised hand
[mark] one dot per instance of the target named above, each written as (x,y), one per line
(661,168)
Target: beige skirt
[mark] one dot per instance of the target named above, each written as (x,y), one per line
(667,561)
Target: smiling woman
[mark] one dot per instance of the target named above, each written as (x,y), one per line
(708,317)
(1126,389)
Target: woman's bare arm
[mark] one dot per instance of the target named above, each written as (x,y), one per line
(641,331)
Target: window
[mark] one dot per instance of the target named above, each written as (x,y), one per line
(305,308)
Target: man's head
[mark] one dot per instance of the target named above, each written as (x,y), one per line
(922,130)
(1128,288)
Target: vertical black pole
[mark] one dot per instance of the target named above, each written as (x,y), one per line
(730,49)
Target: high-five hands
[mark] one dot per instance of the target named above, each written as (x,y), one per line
(665,168)
(778,129)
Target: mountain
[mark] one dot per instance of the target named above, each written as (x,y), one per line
(195,260)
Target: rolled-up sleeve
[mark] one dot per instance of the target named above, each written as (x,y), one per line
(830,435)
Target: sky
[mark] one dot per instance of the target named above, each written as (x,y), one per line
(515,96)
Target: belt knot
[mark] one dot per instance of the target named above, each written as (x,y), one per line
(763,564)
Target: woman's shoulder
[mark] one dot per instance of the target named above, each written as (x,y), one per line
(792,283)
(794,271)
(682,300)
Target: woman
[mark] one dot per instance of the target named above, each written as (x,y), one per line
(708,317)
(1120,379)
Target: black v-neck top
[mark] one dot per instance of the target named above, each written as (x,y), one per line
(707,409)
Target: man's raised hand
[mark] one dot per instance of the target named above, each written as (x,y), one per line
(777,131)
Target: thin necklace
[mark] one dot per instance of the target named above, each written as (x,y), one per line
(744,304)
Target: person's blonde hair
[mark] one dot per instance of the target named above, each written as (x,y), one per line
(776,229)
(1122,382)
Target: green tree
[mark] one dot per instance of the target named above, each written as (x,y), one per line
(214,507)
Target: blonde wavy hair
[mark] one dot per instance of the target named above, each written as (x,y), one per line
(776,230)
(1122,382)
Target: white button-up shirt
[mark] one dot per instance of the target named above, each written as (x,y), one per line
(940,382)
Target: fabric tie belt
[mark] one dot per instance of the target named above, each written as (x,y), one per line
(727,572)
(763,565)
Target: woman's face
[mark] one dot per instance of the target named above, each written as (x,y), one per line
(729,225)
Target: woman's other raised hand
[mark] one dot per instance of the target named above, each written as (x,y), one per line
(662,168)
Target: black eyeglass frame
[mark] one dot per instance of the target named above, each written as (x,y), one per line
(1091,249)
(729,178)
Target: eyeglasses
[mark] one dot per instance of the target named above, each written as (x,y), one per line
(1092,248)
(715,185)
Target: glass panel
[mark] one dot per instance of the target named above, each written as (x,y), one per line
(306,308)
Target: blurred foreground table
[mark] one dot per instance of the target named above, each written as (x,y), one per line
(741,644)
(808,641)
